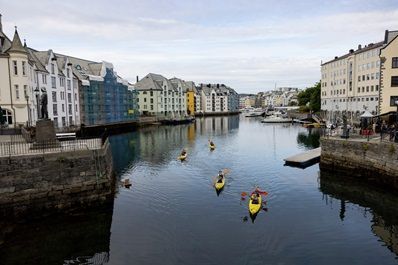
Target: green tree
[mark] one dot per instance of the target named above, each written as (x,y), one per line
(310,98)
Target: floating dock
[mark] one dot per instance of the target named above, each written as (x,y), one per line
(304,159)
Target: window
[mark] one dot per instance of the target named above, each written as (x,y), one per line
(54,94)
(68,84)
(70,120)
(62,95)
(75,107)
(16,92)
(367,88)
(55,110)
(44,78)
(144,99)
(377,88)
(152,100)
(69,97)
(151,93)
(75,96)
(70,109)
(68,72)
(53,82)
(62,81)
(359,78)
(63,107)
(23,68)
(371,88)
(394,62)
(377,75)
(363,77)
(74,83)
(63,122)
(15,66)
(25,90)
(52,68)
(394,81)
(56,122)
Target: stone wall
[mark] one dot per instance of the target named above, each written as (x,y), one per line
(375,162)
(55,181)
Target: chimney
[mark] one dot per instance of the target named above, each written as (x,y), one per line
(137,78)
(351,50)
(336,57)
(359,46)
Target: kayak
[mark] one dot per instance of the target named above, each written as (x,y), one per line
(182,157)
(220,185)
(212,147)
(255,207)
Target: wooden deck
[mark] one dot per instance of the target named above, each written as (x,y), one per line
(304,159)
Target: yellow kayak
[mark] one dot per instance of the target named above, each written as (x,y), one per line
(255,207)
(212,147)
(182,157)
(220,185)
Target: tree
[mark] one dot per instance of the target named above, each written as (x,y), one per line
(311,96)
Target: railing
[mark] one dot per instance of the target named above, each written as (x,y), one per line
(22,148)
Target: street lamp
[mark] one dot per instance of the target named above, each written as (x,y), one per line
(37,93)
(27,108)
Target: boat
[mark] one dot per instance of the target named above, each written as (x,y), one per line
(212,146)
(254,208)
(277,117)
(219,185)
(182,157)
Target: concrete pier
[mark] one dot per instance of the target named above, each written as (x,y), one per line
(304,159)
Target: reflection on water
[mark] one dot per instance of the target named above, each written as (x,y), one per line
(309,139)
(81,238)
(381,205)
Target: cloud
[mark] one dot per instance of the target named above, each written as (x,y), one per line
(248,48)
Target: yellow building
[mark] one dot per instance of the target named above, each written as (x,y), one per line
(191,102)
(389,73)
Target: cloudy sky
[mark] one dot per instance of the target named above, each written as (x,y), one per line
(249,45)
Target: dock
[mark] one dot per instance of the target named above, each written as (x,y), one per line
(304,159)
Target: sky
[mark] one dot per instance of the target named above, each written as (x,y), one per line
(251,46)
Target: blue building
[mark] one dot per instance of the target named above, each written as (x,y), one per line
(105,98)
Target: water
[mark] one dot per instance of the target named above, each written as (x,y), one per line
(172,215)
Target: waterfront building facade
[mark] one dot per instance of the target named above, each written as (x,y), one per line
(350,83)
(158,96)
(218,98)
(16,82)
(389,73)
(105,98)
(57,80)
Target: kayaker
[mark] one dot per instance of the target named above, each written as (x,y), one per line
(183,153)
(211,143)
(254,197)
(220,176)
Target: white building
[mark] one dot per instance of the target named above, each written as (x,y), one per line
(61,87)
(161,97)
(218,98)
(350,83)
(25,75)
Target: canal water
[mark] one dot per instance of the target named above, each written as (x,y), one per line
(173,215)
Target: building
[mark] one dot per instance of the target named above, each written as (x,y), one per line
(350,83)
(17,82)
(55,78)
(389,73)
(105,98)
(161,97)
(216,98)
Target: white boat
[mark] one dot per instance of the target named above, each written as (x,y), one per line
(277,117)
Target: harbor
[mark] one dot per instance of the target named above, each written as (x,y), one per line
(183,193)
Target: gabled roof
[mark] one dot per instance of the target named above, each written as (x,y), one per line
(150,82)
(33,58)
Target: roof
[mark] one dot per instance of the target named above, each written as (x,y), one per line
(33,58)
(368,47)
(16,45)
(150,82)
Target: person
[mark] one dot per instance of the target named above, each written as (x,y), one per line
(183,153)
(254,197)
(220,176)
(211,143)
